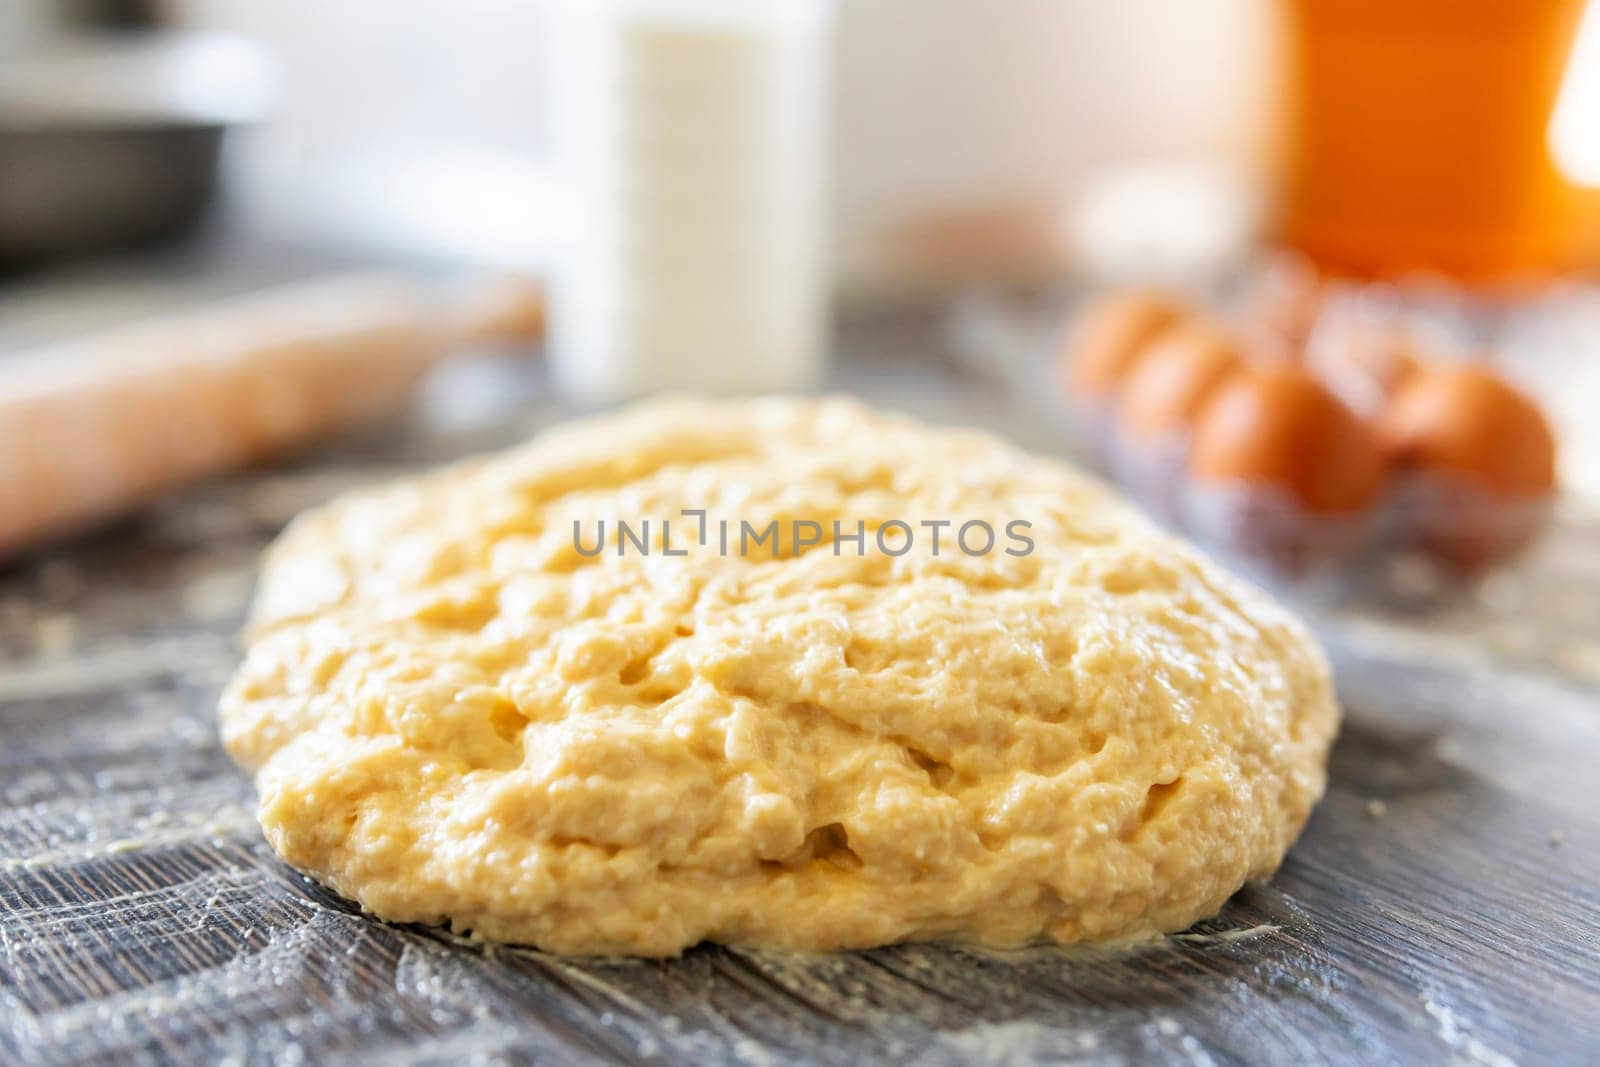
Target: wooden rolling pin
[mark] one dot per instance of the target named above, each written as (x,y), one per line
(93,427)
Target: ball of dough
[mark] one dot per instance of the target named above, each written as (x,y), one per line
(455,715)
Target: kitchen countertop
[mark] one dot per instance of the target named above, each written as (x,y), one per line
(1442,906)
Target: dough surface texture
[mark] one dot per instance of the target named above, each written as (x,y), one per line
(454,715)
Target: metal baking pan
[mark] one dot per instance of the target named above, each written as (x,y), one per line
(116,141)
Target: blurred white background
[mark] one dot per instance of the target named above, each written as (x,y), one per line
(391,109)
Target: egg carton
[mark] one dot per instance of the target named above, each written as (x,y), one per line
(1458,525)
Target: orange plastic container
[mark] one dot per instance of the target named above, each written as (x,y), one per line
(1418,138)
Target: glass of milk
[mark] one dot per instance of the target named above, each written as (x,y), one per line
(692,149)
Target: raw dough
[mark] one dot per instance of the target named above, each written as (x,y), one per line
(454,716)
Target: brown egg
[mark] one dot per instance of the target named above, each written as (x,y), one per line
(1110,335)
(1160,399)
(1467,422)
(1179,371)
(1279,426)
(1480,460)
(1281,473)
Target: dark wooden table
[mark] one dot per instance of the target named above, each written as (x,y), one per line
(1442,907)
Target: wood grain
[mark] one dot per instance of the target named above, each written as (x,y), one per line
(1428,915)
